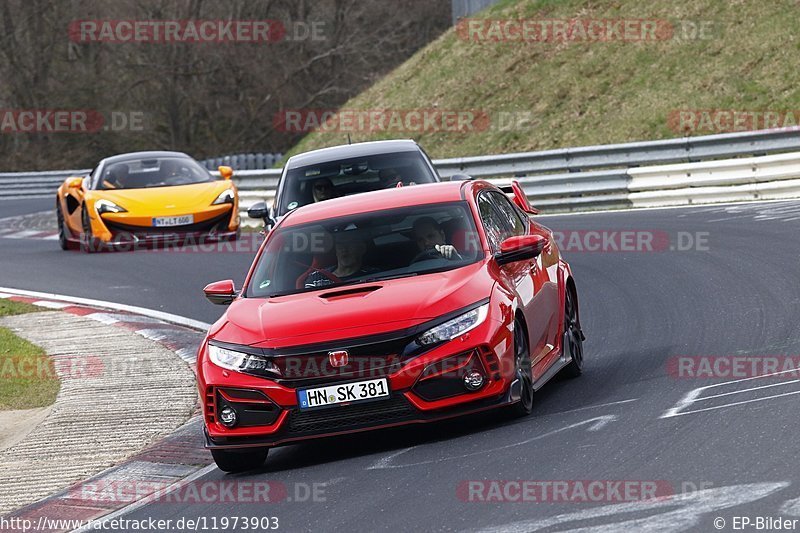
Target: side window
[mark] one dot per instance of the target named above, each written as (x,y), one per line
(497,228)
(510,214)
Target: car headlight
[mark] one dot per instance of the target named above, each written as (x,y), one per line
(241,362)
(107,206)
(226,197)
(455,327)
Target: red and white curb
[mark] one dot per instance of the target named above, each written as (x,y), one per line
(41,226)
(158,469)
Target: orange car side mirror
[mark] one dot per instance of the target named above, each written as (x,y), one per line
(74,183)
(226,172)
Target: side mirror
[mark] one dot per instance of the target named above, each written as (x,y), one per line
(258,210)
(520,248)
(220,292)
(74,183)
(225,172)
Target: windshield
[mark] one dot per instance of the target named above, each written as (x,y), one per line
(343,177)
(155,172)
(364,248)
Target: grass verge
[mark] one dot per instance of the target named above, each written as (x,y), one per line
(27,376)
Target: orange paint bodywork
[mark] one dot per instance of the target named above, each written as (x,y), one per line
(142,205)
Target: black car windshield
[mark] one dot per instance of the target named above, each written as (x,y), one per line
(342,177)
(364,248)
(153,172)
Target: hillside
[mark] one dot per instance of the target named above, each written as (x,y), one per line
(571,90)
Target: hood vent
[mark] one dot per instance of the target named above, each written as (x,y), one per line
(350,291)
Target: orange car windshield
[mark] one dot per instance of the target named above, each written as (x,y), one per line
(155,172)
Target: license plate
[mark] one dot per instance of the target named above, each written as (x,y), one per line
(343,393)
(162,222)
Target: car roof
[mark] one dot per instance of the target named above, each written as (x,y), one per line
(346,151)
(411,195)
(142,155)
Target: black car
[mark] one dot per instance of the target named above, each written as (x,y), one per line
(345,170)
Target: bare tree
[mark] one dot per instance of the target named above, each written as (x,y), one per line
(206,99)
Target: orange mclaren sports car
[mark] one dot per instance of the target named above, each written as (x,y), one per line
(146,198)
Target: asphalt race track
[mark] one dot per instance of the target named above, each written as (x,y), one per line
(624,419)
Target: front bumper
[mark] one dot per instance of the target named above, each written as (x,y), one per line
(115,233)
(423,388)
(397,411)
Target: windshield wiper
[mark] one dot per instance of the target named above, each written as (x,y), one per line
(315,288)
(385,278)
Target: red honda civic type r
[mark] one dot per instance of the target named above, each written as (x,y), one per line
(393,307)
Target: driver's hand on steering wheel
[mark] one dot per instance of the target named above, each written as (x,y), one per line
(448,251)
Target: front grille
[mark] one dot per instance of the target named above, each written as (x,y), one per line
(349,417)
(299,371)
(219,223)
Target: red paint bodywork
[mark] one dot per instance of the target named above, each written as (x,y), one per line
(533,290)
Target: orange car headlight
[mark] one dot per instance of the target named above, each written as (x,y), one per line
(107,206)
(226,197)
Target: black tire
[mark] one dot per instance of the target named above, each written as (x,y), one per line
(522,362)
(239,461)
(63,240)
(88,243)
(573,337)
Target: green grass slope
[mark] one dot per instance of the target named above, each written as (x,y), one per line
(577,93)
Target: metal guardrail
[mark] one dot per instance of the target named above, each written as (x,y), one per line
(260,161)
(682,150)
(753,178)
(567,179)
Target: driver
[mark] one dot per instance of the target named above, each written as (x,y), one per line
(170,169)
(430,236)
(116,176)
(323,190)
(392,178)
(350,250)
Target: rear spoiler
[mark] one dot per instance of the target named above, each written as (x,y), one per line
(512,189)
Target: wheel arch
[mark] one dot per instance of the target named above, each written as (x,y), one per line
(570,286)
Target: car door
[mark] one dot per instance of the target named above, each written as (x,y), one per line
(74,203)
(525,278)
(545,309)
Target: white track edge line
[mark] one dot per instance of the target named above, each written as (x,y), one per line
(152,313)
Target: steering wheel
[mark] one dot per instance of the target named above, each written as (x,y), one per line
(425,255)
